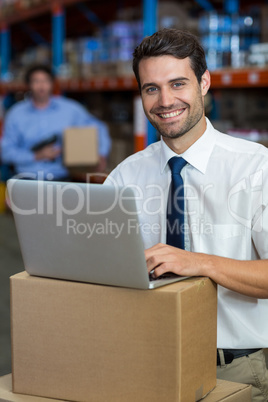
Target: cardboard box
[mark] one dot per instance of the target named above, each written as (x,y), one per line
(6,394)
(80,146)
(225,391)
(84,342)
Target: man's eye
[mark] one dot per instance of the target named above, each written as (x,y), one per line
(178,84)
(152,89)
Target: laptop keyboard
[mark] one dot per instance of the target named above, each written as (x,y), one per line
(167,275)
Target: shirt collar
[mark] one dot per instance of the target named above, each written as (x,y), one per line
(197,155)
(52,104)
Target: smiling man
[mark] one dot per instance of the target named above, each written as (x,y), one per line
(205,197)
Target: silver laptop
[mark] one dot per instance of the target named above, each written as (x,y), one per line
(81,232)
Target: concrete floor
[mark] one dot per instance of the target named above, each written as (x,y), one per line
(10,263)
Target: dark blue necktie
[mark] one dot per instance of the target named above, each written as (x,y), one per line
(175,206)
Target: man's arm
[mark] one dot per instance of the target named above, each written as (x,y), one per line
(246,277)
(12,150)
(14,153)
(49,152)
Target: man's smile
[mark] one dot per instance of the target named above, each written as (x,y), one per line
(170,115)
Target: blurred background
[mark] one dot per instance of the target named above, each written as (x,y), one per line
(89,45)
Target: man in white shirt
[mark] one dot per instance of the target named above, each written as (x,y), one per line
(223,221)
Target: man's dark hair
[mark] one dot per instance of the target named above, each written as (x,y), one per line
(36,68)
(171,42)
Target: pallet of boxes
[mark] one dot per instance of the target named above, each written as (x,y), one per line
(81,342)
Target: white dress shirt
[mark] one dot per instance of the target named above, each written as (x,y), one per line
(226,214)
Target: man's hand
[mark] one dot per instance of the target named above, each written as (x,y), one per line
(163,258)
(49,152)
(249,278)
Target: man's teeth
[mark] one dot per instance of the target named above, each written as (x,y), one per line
(172,114)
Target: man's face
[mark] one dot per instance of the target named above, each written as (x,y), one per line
(173,100)
(41,86)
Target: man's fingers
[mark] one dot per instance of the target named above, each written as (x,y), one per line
(161,249)
(157,249)
(163,258)
(155,256)
(163,268)
(152,262)
(56,150)
(53,152)
(156,260)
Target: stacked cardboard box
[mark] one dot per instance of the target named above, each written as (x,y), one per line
(83,342)
(225,391)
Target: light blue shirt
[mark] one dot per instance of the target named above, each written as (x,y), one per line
(25,126)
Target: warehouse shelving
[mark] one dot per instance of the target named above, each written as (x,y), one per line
(226,78)
(57,9)
(240,78)
(246,78)
(25,14)
(81,85)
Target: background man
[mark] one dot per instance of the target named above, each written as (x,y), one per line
(220,228)
(39,118)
